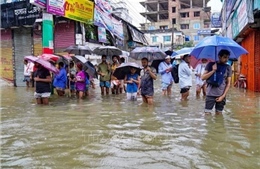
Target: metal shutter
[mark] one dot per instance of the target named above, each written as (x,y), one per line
(37,43)
(22,47)
(64,36)
(257,61)
(6,68)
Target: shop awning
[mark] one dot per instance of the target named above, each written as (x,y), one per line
(137,36)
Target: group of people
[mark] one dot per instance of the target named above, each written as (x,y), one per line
(212,78)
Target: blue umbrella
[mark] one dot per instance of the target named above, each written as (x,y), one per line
(181,52)
(210,46)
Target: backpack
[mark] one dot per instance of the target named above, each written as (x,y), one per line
(174,73)
(217,78)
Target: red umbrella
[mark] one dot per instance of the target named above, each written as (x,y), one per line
(49,57)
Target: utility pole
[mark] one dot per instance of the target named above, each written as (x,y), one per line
(172,46)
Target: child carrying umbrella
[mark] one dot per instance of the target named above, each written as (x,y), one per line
(132,80)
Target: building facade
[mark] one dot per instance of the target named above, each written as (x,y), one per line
(186,16)
(241,22)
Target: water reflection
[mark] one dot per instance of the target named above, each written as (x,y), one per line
(110,132)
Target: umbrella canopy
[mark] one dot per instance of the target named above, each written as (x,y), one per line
(155,63)
(42,62)
(152,53)
(49,57)
(210,46)
(124,69)
(87,65)
(181,52)
(79,50)
(107,50)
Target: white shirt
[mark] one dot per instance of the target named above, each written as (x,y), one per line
(28,69)
(185,75)
(200,70)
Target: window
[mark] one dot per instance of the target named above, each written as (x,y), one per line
(184,26)
(207,25)
(197,14)
(173,9)
(196,38)
(164,27)
(173,20)
(154,39)
(187,38)
(166,38)
(196,26)
(151,28)
(184,15)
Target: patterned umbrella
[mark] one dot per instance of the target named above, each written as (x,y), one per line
(44,63)
(152,53)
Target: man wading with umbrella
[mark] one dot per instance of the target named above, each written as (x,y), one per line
(216,92)
(148,75)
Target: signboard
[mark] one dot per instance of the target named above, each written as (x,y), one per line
(204,32)
(229,31)
(102,36)
(40,3)
(256,5)
(56,7)
(242,15)
(78,10)
(235,26)
(18,14)
(216,20)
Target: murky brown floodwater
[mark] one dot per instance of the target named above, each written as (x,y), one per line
(109,132)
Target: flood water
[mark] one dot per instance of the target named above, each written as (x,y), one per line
(110,132)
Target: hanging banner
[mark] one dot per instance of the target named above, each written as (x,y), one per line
(102,36)
(104,5)
(118,28)
(103,19)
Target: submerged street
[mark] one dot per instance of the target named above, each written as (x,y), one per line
(110,132)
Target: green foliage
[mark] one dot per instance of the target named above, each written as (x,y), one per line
(188,44)
(90,30)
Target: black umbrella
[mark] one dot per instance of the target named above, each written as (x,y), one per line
(124,69)
(155,63)
(78,50)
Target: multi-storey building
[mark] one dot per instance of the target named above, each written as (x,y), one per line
(187,16)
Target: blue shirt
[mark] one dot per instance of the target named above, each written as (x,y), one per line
(185,73)
(131,87)
(166,76)
(60,80)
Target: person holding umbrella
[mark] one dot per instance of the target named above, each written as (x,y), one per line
(42,84)
(60,80)
(218,78)
(148,75)
(164,69)
(104,70)
(80,81)
(132,80)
